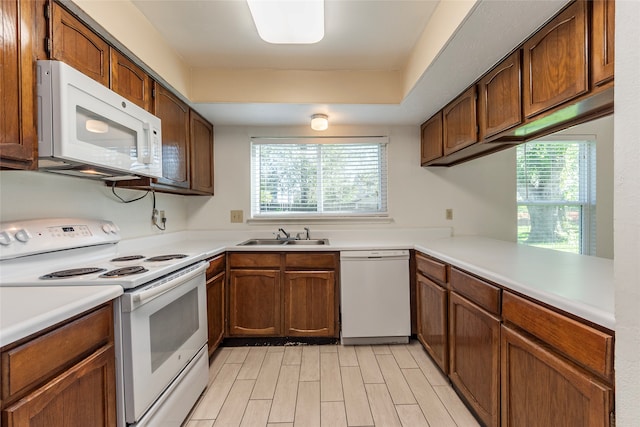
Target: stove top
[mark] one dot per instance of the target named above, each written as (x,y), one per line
(74,252)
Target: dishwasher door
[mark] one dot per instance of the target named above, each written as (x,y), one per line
(374,294)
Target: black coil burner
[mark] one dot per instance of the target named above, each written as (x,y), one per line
(64,274)
(125,271)
(128,258)
(165,257)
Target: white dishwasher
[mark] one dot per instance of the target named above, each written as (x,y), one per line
(374,296)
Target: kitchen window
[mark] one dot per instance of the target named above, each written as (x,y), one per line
(311,177)
(556,195)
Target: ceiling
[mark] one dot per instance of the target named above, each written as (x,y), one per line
(360,35)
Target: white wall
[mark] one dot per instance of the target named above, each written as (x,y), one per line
(30,195)
(481,193)
(627,210)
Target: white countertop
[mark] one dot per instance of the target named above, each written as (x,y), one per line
(26,310)
(580,285)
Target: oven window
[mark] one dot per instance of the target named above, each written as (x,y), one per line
(172,326)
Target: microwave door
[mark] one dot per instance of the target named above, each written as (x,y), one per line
(105,134)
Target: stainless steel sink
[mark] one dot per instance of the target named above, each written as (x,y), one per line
(310,242)
(262,242)
(278,242)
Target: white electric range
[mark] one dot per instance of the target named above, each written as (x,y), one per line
(160,320)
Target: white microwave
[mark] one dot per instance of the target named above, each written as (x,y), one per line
(87,130)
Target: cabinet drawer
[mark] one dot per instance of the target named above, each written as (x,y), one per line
(35,361)
(584,344)
(263,259)
(216,266)
(313,260)
(476,290)
(431,268)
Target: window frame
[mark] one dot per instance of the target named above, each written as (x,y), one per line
(587,190)
(378,216)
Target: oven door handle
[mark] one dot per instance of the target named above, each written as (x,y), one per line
(144,296)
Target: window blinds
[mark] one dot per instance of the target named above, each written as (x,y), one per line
(298,177)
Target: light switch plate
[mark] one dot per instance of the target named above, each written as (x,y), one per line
(236,216)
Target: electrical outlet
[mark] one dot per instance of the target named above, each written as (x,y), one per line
(448,213)
(236,216)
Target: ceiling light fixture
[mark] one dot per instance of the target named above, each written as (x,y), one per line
(288,21)
(319,122)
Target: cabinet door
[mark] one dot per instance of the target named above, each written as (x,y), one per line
(602,41)
(201,154)
(82,396)
(459,122)
(432,310)
(254,303)
(541,389)
(309,301)
(75,44)
(215,311)
(431,139)
(474,357)
(130,81)
(499,98)
(555,61)
(18,140)
(175,137)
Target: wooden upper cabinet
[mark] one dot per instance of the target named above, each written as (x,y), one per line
(431,139)
(459,121)
(201,154)
(555,61)
(18,140)
(130,81)
(77,45)
(175,137)
(602,41)
(540,388)
(499,98)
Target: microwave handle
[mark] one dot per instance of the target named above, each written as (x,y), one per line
(148,142)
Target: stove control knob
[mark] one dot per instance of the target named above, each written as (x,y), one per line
(106,228)
(22,235)
(5,238)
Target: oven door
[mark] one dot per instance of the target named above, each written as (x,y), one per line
(164,325)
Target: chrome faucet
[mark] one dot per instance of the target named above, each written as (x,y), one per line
(307,234)
(286,235)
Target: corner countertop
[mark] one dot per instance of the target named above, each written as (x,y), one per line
(577,284)
(26,310)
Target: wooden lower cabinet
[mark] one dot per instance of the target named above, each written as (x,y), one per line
(254,303)
(215,302)
(540,388)
(309,303)
(63,376)
(474,357)
(82,396)
(432,301)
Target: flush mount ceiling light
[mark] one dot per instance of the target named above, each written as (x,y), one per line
(288,21)
(319,122)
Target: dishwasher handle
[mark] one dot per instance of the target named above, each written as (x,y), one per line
(374,254)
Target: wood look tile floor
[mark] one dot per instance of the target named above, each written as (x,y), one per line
(332,385)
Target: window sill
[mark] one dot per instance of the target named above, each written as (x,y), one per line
(322,220)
